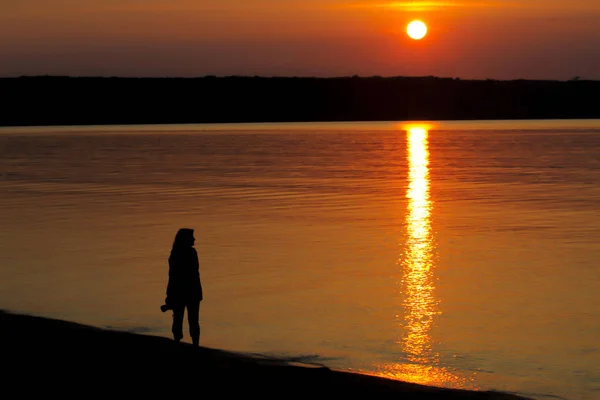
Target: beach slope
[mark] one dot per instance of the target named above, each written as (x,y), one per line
(46,357)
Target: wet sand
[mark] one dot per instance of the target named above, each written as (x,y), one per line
(51,357)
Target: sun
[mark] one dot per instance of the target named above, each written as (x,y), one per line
(416,30)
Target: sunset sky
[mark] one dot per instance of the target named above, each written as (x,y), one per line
(479,39)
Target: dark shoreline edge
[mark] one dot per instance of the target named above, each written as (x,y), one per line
(84,101)
(48,356)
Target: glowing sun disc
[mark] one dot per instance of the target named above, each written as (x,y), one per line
(416,30)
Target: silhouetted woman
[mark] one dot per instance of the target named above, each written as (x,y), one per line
(184,290)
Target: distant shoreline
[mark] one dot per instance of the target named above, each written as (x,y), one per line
(70,101)
(47,356)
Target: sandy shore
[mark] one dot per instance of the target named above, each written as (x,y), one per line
(50,357)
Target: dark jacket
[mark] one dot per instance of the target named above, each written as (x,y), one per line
(184,277)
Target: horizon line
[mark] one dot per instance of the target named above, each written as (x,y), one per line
(212,76)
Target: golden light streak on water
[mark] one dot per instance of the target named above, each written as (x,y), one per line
(420,303)
(421,307)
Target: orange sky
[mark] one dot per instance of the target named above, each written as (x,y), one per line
(499,39)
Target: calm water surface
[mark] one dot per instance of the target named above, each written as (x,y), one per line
(458,254)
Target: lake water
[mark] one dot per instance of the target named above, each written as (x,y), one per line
(457,254)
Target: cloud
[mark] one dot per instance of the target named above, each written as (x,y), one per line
(431,5)
(436,5)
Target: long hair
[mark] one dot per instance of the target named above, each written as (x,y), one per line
(183,238)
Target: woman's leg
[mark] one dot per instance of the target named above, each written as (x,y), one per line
(177,327)
(193,309)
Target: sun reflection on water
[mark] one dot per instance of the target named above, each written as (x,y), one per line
(422,362)
(420,303)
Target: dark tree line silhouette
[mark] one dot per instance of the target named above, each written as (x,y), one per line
(49,100)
